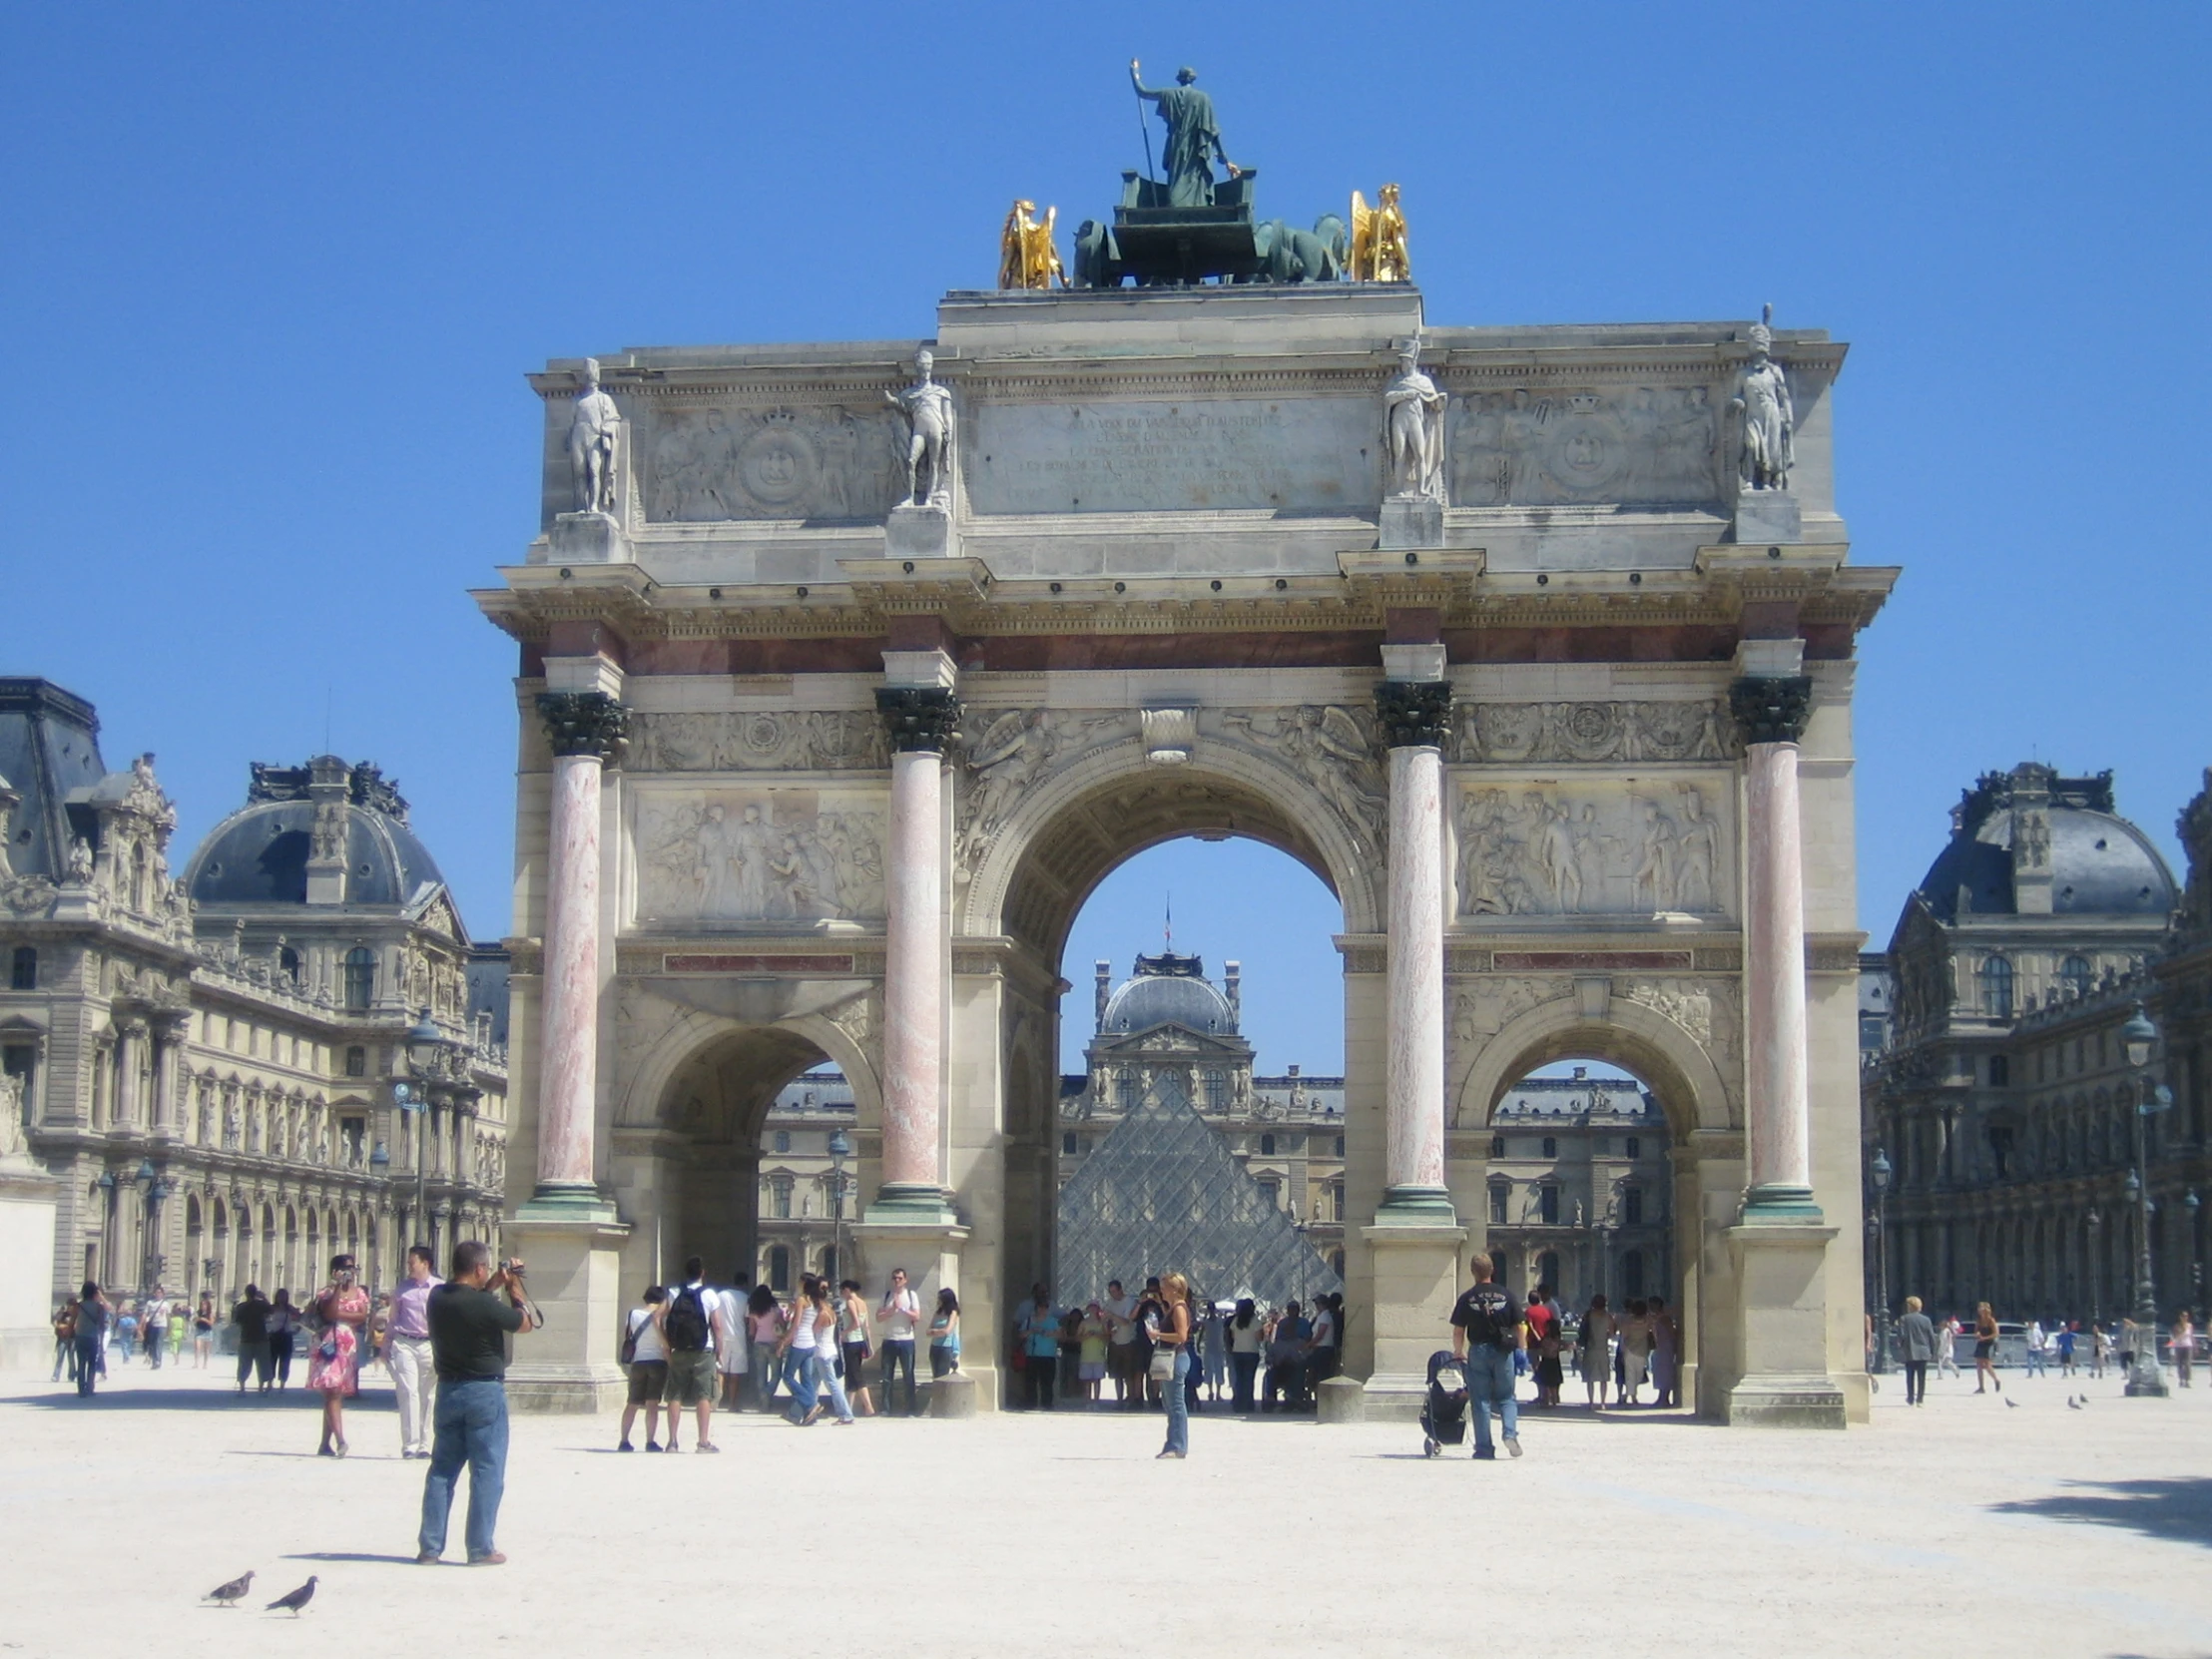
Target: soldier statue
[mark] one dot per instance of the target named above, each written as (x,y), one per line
(1762,399)
(592,434)
(928,407)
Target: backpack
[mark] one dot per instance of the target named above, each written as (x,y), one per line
(686,1322)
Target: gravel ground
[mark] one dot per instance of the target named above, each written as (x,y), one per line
(1965,1526)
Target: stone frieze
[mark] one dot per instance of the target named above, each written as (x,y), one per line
(841,740)
(1592,732)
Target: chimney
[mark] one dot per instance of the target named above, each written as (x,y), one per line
(329,782)
(1105,971)
(1232,986)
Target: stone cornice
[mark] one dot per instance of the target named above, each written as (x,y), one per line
(973,602)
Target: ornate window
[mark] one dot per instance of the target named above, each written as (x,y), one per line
(357,1061)
(1997,988)
(287,963)
(1547,1205)
(1217,1091)
(1632,1206)
(781,1191)
(23,969)
(360,979)
(2076,976)
(1501,1196)
(1270,1194)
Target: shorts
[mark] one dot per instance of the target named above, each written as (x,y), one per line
(691,1379)
(1091,1369)
(648,1378)
(1125,1360)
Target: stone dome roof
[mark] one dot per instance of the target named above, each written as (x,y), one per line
(1168,990)
(259,854)
(2100,864)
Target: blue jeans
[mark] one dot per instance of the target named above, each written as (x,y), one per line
(804,1379)
(1490,1382)
(826,1376)
(471,1428)
(898,1355)
(1179,1411)
(2036,1365)
(88,1363)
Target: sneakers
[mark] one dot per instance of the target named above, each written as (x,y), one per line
(1512,1444)
(706,1445)
(1485,1455)
(427,1558)
(627,1447)
(490,1558)
(653,1445)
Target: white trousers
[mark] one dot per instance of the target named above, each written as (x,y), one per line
(415,1380)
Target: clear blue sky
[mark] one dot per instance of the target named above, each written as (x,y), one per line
(272,276)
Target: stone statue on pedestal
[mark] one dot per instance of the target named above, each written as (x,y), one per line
(928,407)
(1763,400)
(1413,428)
(593,432)
(1192,140)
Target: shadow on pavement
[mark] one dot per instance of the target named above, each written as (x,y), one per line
(2180,1509)
(126,1398)
(352,1555)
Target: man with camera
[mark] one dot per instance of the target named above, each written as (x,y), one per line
(471,1315)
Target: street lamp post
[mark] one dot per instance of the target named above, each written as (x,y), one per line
(1883,1173)
(2137,1037)
(839,1150)
(2196,1259)
(2096,1271)
(156,1187)
(427,1053)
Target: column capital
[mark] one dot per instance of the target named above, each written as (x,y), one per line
(1770,709)
(919,718)
(583,722)
(1416,713)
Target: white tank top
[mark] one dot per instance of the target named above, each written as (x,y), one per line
(802,1328)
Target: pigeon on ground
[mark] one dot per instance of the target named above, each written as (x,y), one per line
(229,1595)
(298,1599)
(2011,1406)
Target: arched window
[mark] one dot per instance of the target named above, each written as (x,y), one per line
(1267,1146)
(1997,988)
(287,963)
(360,979)
(23,970)
(2075,976)
(780,1268)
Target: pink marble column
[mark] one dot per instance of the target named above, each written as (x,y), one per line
(1415,715)
(921,721)
(584,728)
(1772,713)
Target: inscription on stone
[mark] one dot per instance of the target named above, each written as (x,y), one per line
(1309,454)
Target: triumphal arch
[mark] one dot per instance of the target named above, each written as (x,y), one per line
(849,669)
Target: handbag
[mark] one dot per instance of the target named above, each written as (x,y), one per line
(1162,1366)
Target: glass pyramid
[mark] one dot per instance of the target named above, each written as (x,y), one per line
(1162,1194)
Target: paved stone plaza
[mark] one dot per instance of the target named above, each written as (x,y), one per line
(1966,1526)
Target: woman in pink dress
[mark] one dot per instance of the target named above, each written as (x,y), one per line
(336,1371)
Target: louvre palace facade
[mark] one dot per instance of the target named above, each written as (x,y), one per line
(200,1068)
(2005,1104)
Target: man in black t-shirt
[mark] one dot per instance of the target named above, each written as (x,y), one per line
(1486,1331)
(470,1321)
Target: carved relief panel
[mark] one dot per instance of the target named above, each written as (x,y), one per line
(841,740)
(705,465)
(1543,849)
(753,855)
(1651,445)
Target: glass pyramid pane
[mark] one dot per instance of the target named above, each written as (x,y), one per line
(1162,1194)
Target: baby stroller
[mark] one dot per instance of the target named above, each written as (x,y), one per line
(1444,1415)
